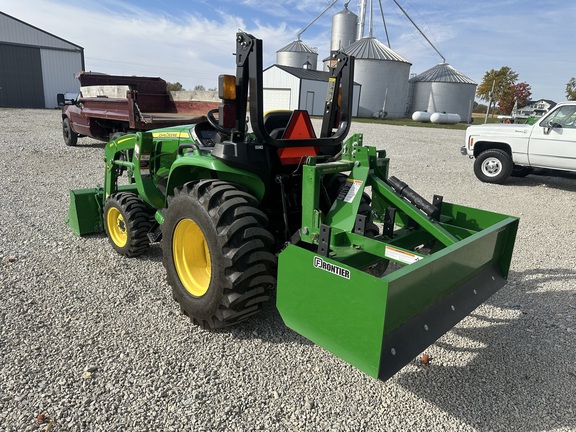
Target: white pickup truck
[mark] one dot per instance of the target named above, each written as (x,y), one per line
(504,150)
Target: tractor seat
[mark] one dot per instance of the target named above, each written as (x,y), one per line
(275,122)
(295,134)
(289,125)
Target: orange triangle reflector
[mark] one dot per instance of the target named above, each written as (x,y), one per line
(299,126)
(296,155)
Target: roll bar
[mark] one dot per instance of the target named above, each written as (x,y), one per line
(249,88)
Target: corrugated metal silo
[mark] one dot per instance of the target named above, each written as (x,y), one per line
(297,54)
(442,88)
(383,75)
(344,29)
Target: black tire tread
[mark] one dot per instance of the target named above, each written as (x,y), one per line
(138,220)
(70,137)
(505,159)
(244,246)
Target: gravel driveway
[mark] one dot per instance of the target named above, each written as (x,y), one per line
(92,341)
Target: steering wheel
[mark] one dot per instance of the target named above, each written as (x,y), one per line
(214,123)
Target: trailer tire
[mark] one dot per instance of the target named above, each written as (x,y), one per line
(493,166)
(216,251)
(70,137)
(127,220)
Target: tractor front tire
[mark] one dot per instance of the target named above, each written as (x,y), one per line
(70,137)
(216,251)
(127,220)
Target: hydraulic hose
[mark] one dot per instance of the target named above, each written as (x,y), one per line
(413,197)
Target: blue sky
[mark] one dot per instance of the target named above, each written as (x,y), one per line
(192,41)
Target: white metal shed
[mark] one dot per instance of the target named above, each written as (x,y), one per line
(35,65)
(291,88)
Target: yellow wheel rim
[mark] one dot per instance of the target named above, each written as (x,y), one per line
(116,227)
(191,257)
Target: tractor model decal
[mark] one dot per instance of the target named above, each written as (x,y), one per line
(170,134)
(331,268)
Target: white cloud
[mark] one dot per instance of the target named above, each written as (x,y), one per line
(192,41)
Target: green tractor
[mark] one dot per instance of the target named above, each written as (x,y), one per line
(362,264)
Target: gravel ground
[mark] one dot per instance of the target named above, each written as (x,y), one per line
(91,341)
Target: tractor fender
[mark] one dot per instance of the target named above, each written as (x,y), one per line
(195,166)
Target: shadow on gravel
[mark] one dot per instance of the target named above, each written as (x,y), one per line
(267,326)
(519,373)
(561,180)
(96,144)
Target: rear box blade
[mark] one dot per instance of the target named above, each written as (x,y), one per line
(380,324)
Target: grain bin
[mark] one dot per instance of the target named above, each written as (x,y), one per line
(297,54)
(344,29)
(383,75)
(442,88)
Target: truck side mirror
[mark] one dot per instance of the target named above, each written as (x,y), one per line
(549,126)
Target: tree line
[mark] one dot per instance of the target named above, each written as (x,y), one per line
(501,89)
(178,87)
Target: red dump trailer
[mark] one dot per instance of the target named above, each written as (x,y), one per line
(111,105)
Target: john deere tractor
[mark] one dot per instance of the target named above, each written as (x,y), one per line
(359,262)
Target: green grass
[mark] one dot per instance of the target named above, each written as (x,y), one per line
(409,122)
(478,119)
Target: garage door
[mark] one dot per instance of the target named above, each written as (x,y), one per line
(276,99)
(21,77)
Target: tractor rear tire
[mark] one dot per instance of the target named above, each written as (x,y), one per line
(216,251)
(70,137)
(127,220)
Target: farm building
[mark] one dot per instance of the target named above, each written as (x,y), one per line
(35,65)
(442,88)
(290,88)
(384,77)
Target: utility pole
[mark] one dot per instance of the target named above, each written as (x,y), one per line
(490,95)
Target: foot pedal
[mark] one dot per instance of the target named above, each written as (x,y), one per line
(155,234)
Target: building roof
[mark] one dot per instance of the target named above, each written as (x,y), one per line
(442,72)
(548,101)
(302,73)
(14,36)
(297,46)
(370,48)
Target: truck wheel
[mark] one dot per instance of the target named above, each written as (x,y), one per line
(493,166)
(216,253)
(70,137)
(127,220)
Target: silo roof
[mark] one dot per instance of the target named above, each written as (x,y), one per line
(370,48)
(297,46)
(345,11)
(442,72)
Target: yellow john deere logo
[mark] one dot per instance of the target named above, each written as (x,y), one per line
(170,135)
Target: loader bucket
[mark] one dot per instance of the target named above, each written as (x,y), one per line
(379,324)
(85,211)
